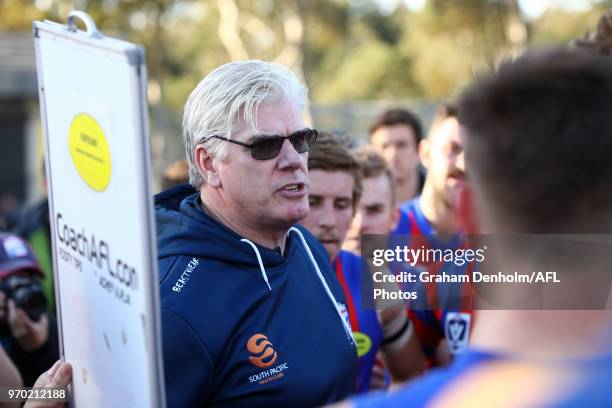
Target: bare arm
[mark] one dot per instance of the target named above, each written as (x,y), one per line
(9,376)
(402,352)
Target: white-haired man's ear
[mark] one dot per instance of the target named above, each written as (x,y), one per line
(207,166)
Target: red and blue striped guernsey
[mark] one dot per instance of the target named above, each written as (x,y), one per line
(364,323)
(441,310)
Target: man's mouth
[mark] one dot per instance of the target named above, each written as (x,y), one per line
(294,187)
(328,241)
(294,190)
(460,176)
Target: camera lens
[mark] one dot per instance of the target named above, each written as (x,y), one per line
(27,294)
(32,300)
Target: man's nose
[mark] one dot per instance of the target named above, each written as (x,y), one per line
(327,218)
(460,162)
(289,157)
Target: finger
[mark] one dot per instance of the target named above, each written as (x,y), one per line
(42,323)
(14,319)
(63,376)
(40,329)
(23,316)
(15,315)
(11,308)
(46,378)
(54,368)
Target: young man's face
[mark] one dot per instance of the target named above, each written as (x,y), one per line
(331,208)
(442,155)
(398,146)
(375,212)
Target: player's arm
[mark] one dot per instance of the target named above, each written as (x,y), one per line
(443,354)
(401,348)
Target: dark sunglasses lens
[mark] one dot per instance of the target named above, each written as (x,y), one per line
(267,148)
(303,141)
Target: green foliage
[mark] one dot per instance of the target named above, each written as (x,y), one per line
(559,27)
(350,49)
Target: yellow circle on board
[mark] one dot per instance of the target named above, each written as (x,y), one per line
(90,152)
(364,343)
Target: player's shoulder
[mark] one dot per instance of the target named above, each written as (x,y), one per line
(407,212)
(347,257)
(410,206)
(420,393)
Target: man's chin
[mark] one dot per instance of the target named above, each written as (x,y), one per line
(352,245)
(296,213)
(332,250)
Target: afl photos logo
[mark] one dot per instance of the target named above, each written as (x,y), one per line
(262,353)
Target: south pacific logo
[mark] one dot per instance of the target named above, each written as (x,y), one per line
(262,352)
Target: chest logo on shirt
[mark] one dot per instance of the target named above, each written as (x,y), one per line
(262,353)
(457,331)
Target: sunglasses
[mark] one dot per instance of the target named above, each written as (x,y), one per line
(268,147)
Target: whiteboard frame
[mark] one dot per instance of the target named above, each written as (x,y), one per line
(136,59)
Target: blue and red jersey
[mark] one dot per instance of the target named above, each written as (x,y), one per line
(421,392)
(441,310)
(482,378)
(364,323)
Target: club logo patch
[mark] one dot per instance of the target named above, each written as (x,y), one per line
(457,331)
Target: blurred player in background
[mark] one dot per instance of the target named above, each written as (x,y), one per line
(335,189)
(396,134)
(375,212)
(430,222)
(554,102)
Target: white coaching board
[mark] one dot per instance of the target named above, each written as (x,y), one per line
(93,105)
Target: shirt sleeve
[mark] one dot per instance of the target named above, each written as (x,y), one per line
(188,367)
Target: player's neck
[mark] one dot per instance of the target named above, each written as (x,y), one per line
(438,212)
(541,334)
(407,189)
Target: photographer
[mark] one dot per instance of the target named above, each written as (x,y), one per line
(27,332)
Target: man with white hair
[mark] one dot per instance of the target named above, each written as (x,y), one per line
(252,314)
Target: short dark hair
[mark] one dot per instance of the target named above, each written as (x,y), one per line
(539,139)
(394,117)
(373,165)
(332,152)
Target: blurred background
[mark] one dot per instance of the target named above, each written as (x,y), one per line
(358,57)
